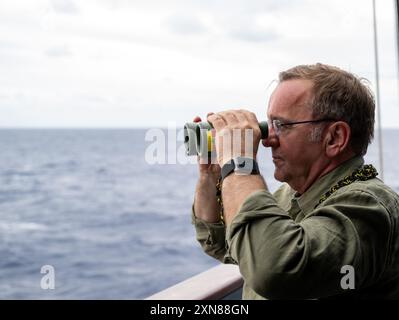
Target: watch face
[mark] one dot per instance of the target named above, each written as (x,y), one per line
(240,162)
(243,165)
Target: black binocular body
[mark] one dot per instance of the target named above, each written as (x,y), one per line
(198,137)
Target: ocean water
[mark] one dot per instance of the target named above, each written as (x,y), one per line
(111,224)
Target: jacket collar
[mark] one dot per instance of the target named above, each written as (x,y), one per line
(310,198)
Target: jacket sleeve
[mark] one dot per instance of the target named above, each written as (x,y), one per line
(282,259)
(211,237)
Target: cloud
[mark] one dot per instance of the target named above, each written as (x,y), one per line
(185,25)
(58,51)
(12,99)
(254,35)
(64,6)
(8,44)
(220,54)
(244,27)
(252,32)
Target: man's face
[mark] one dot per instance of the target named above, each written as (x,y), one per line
(294,153)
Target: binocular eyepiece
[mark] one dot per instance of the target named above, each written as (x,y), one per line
(198,137)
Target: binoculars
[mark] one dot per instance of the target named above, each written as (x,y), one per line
(198,138)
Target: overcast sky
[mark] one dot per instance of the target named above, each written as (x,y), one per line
(141,63)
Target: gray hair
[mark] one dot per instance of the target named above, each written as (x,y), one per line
(339,95)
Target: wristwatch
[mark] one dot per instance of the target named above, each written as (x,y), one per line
(240,166)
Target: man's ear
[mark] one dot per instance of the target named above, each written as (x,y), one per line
(337,138)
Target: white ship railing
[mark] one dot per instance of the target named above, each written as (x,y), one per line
(216,283)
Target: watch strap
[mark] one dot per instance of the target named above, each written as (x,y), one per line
(230,167)
(227,168)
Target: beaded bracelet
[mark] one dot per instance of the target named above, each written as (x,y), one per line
(219,198)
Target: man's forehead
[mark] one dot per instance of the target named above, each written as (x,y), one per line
(289,95)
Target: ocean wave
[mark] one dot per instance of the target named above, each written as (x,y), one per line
(21,226)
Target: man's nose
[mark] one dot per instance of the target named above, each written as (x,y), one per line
(271,140)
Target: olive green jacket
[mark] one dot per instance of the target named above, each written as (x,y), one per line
(290,247)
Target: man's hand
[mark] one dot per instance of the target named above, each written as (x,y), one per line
(205,203)
(207,169)
(237,134)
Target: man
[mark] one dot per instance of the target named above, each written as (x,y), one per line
(331,231)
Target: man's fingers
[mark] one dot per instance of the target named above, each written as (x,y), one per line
(242,118)
(250,116)
(198,119)
(229,117)
(216,120)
